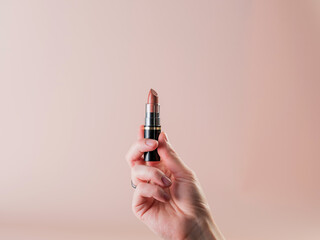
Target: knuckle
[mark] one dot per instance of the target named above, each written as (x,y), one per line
(140,146)
(133,175)
(128,156)
(173,153)
(135,145)
(140,142)
(137,211)
(191,174)
(134,169)
(151,170)
(158,191)
(154,173)
(140,187)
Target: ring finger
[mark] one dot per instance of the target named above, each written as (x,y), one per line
(143,173)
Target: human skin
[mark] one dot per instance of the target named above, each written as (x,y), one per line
(168,197)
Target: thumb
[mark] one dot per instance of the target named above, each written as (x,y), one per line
(169,157)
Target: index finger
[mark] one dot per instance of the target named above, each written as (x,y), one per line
(137,150)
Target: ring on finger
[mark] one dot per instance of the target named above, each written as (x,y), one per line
(135,186)
(132,185)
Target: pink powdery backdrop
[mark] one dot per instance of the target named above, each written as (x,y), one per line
(239,87)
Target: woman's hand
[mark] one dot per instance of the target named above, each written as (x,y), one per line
(168,197)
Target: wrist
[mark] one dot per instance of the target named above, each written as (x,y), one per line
(206,230)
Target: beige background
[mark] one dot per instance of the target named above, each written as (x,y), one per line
(239,86)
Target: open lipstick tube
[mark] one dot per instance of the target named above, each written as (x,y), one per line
(152,127)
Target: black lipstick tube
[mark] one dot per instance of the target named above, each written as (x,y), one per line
(152,129)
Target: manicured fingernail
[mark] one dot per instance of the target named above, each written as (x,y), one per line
(166,137)
(166,196)
(150,142)
(166,181)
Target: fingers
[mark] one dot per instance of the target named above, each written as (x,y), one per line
(167,154)
(169,157)
(145,191)
(136,151)
(142,173)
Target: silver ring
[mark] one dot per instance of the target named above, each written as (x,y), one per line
(132,185)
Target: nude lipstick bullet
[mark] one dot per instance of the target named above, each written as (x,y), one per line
(152,127)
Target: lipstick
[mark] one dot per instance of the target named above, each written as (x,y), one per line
(152,127)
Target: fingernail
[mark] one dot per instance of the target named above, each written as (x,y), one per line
(166,196)
(150,142)
(166,181)
(166,137)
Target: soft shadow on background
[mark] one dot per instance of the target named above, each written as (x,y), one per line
(239,86)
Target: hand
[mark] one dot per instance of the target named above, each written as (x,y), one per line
(168,197)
